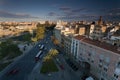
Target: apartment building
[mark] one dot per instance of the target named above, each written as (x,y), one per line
(97,30)
(58,29)
(14,28)
(66,41)
(57,33)
(115,40)
(103,58)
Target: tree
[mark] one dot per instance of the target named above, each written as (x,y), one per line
(47,58)
(47,24)
(53,52)
(8,49)
(56,42)
(117,32)
(34,39)
(40,31)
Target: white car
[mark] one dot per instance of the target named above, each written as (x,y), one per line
(89,78)
(49,74)
(39,45)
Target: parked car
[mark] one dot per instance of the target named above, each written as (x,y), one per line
(13,72)
(62,67)
(49,74)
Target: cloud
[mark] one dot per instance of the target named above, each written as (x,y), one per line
(114,10)
(6,14)
(111,12)
(52,14)
(79,10)
(64,8)
(89,17)
(2,2)
(73,12)
(69,13)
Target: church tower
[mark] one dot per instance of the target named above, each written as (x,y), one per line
(100,22)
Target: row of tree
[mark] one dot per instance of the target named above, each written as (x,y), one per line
(9,50)
(41,29)
(40,32)
(52,53)
(55,41)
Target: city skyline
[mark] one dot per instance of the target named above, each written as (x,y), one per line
(62,9)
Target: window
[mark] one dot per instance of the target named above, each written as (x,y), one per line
(102,79)
(107,61)
(105,69)
(101,60)
(100,65)
(116,76)
(92,61)
(76,44)
(89,54)
(80,53)
(118,64)
(88,59)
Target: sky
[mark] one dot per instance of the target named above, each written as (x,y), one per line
(59,9)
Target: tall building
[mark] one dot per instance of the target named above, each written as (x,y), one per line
(98,30)
(103,58)
(100,22)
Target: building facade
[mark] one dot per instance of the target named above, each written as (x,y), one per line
(57,34)
(103,58)
(66,41)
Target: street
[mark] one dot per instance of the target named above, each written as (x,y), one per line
(30,70)
(25,65)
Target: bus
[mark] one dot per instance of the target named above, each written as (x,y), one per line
(42,47)
(38,56)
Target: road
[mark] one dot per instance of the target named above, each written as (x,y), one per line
(25,64)
(67,74)
(30,70)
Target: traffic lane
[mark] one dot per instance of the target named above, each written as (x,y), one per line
(24,62)
(32,53)
(24,70)
(13,63)
(67,69)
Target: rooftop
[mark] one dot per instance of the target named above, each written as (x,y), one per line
(98,44)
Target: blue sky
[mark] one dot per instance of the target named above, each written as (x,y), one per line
(60,9)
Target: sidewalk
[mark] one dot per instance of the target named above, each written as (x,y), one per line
(15,60)
(28,47)
(66,74)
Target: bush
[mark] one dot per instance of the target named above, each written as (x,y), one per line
(8,49)
(2,66)
(49,66)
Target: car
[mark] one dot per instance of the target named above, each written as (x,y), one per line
(39,45)
(62,67)
(45,48)
(13,72)
(84,77)
(49,74)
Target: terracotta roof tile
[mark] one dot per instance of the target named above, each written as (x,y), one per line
(98,44)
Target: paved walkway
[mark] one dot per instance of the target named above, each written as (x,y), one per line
(21,46)
(67,74)
(28,47)
(15,60)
